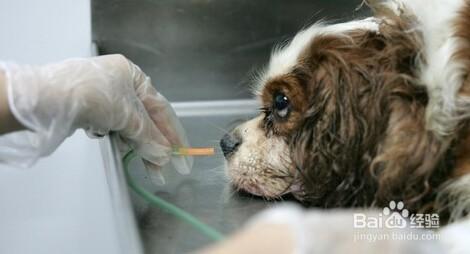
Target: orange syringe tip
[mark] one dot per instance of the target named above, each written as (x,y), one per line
(194,151)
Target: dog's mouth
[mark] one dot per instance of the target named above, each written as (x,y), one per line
(253,189)
(250,176)
(245,193)
(248,187)
(267,189)
(258,189)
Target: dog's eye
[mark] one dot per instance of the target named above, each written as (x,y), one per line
(281,105)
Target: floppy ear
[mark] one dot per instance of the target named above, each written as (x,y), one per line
(333,148)
(411,161)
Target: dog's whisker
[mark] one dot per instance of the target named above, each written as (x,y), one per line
(218,167)
(219,128)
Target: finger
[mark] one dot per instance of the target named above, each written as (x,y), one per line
(158,107)
(161,112)
(154,172)
(182,164)
(143,135)
(167,122)
(164,117)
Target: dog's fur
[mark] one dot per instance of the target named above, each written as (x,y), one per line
(378,111)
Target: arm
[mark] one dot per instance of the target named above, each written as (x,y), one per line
(100,95)
(8,122)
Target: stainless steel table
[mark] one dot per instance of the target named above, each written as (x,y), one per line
(205,193)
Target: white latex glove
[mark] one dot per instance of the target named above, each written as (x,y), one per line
(100,94)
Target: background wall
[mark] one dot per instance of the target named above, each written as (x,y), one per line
(44,31)
(206,49)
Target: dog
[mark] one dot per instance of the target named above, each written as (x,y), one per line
(361,113)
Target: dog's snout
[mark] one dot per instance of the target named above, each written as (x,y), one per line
(229,144)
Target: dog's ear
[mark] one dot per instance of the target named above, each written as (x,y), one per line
(347,114)
(410,156)
(364,137)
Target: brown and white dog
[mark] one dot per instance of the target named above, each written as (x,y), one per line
(361,113)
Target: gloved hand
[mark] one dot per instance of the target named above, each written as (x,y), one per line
(100,94)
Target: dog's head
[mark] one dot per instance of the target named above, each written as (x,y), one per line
(342,119)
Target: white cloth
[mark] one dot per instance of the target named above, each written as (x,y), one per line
(333,231)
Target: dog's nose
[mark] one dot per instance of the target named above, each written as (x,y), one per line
(229,144)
